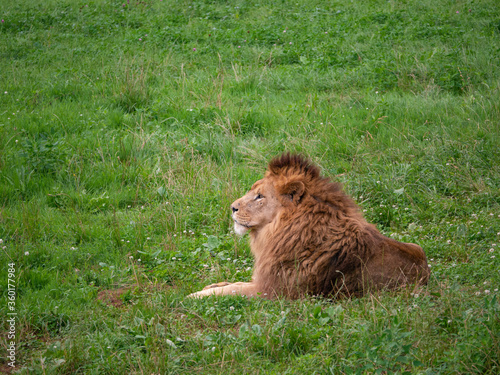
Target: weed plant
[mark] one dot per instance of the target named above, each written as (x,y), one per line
(128,127)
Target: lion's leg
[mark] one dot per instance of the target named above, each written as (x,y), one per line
(217,285)
(241,289)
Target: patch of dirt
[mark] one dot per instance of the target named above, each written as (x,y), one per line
(6,369)
(112,297)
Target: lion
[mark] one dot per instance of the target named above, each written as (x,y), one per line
(309,238)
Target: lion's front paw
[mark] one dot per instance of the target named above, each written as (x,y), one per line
(207,292)
(223,283)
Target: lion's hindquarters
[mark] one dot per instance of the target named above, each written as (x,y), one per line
(395,264)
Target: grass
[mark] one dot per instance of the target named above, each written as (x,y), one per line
(128,128)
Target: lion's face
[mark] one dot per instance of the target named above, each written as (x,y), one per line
(257,208)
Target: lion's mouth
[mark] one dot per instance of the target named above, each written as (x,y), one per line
(241,224)
(236,221)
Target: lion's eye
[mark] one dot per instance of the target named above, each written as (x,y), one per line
(259,196)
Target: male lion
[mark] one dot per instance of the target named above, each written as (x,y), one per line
(308,237)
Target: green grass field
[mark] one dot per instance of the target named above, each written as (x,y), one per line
(128,127)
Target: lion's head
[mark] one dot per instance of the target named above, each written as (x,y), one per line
(288,182)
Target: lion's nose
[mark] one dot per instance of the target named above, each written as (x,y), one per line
(234,209)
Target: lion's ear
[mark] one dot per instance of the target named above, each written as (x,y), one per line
(293,190)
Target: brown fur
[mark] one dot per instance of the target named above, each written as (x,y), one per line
(308,237)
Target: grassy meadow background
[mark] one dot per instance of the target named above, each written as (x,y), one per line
(128,127)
